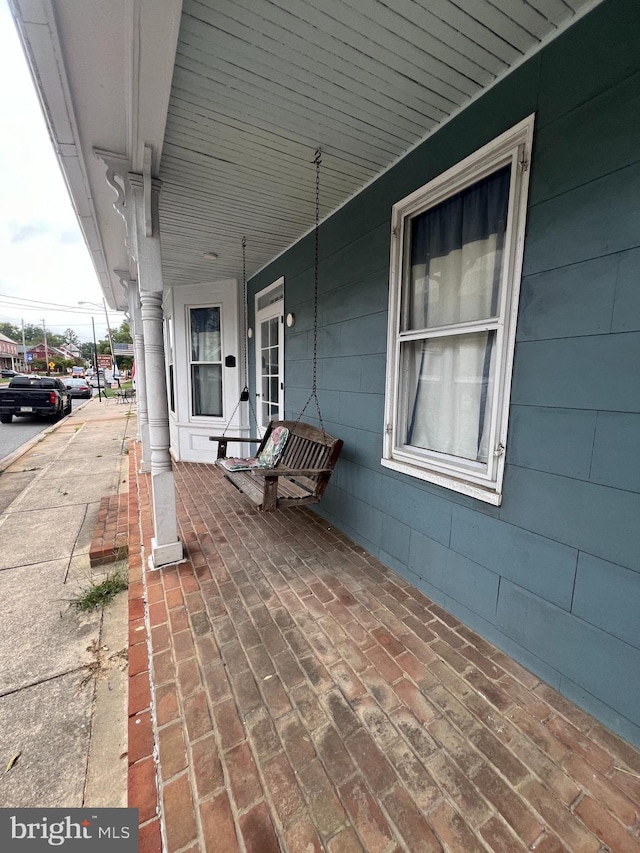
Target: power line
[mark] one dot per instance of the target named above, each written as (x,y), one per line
(10,301)
(15,306)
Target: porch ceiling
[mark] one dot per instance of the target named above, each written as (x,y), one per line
(258,85)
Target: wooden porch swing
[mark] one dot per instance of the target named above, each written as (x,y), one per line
(294,460)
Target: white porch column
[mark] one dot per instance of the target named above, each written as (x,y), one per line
(165,546)
(135,314)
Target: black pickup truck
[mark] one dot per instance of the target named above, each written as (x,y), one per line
(34,395)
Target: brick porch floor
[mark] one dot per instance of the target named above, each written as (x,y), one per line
(306,698)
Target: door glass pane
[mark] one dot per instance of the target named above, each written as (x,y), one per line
(273,332)
(449,387)
(269,341)
(273,295)
(206,385)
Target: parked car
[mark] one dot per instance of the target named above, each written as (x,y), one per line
(93,379)
(79,387)
(7,373)
(26,395)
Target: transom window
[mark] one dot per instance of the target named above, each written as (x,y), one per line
(455,274)
(206,361)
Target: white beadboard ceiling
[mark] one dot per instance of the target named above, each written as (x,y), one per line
(255,88)
(258,85)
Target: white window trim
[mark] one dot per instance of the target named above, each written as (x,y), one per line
(193,418)
(513,146)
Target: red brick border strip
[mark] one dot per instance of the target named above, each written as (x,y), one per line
(111,532)
(142,775)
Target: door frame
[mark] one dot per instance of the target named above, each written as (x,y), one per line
(270,310)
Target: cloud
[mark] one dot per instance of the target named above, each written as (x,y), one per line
(28,231)
(37,229)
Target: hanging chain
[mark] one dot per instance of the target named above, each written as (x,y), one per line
(316,265)
(245,396)
(244,309)
(317,160)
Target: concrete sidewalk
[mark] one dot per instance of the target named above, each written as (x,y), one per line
(63,679)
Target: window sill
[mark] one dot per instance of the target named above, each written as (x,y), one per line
(473,490)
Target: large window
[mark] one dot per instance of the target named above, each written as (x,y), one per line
(455,275)
(206,362)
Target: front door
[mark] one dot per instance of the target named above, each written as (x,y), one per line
(270,355)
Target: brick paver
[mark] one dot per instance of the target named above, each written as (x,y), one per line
(306,698)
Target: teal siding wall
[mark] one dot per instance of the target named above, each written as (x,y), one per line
(553,575)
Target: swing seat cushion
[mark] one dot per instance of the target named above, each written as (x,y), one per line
(268,457)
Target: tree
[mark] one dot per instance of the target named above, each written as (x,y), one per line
(33,333)
(11,331)
(86,351)
(70,337)
(122,335)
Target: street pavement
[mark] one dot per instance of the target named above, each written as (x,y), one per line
(63,674)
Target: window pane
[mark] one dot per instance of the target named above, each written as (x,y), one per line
(264,333)
(205,334)
(273,331)
(455,261)
(206,384)
(449,384)
(272,296)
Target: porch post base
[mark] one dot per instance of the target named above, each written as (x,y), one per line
(162,555)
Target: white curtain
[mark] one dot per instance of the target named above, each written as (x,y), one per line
(456,260)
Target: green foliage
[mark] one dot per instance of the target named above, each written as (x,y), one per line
(99,595)
(33,333)
(122,335)
(11,331)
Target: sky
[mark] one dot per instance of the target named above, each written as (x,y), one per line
(46,268)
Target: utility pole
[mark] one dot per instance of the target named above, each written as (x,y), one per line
(46,348)
(24,347)
(113,358)
(95,359)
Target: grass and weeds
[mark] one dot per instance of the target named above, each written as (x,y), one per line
(98,595)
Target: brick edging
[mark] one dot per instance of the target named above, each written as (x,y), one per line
(142,785)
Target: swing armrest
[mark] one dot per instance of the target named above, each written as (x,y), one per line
(290,472)
(223,439)
(234,438)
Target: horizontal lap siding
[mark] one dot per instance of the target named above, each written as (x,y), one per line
(552,576)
